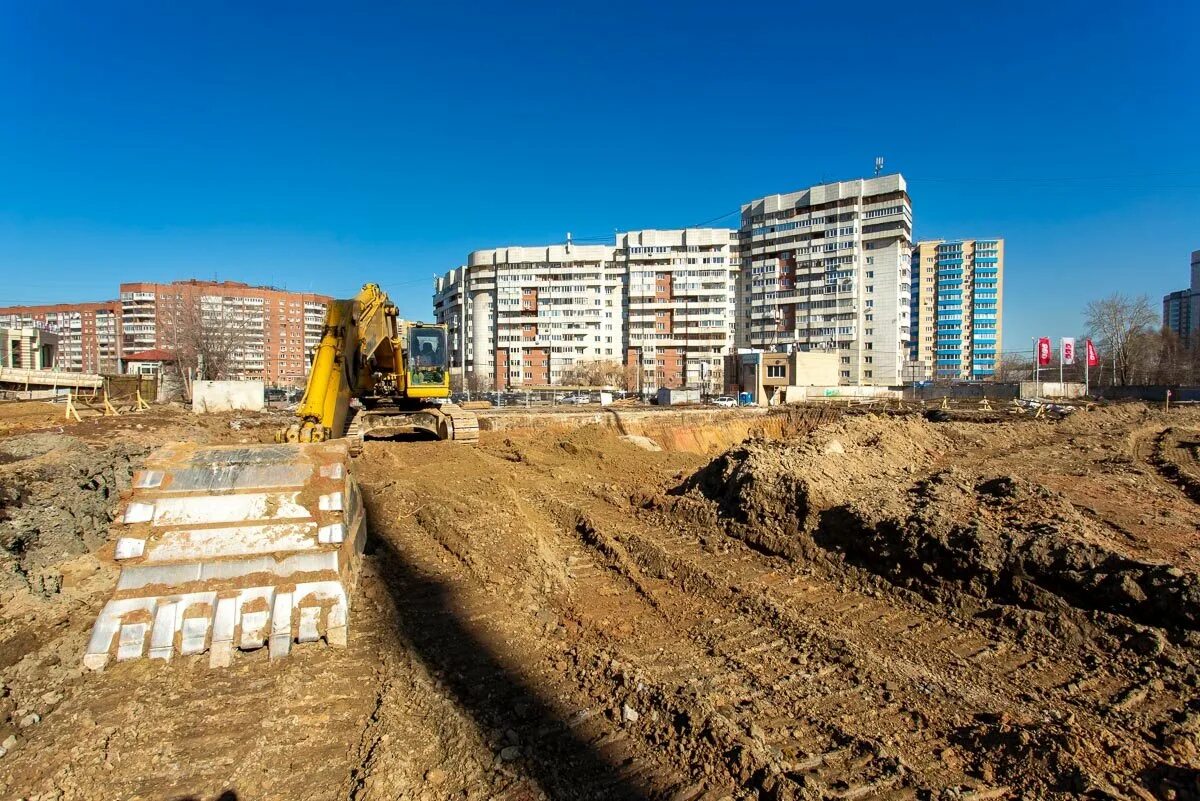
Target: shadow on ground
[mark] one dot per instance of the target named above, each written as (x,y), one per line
(562,764)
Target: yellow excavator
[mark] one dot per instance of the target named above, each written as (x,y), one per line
(397,370)
(233,548)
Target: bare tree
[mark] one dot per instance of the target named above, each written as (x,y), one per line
(478,381)
(1014,366)
(1118,322)
(630,375)
(595,373)
(209,338)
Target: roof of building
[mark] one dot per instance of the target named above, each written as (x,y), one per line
(152,355)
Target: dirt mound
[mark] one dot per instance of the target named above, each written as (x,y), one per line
(1007,539)
(776,490)
(868,491)
(56,500)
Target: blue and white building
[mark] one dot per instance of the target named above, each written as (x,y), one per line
(957,304)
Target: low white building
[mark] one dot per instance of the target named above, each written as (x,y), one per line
(28,348)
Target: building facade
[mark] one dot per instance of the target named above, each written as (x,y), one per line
(679,306)
(1181,309)
(268,333)
(28,348)
(528,316)
(957,304)
(656,308)
(88,333)
(829,268)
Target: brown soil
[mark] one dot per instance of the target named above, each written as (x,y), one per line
(870,606)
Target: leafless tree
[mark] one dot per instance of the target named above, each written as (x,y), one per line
(595,373)
(630,375)
(1014,366)
(209,338)
(479,381)
(1119,323)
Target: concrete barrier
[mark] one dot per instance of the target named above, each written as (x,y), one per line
(1052,389)
(225,396)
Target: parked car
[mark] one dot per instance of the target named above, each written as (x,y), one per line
(725,400)
(576,399)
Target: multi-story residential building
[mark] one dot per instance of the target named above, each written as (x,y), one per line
(269,333)
(679,305)
(829,268)
(527,315)
(88,333)
(957,304)
(658,306)
(1181,309)
(1177,314)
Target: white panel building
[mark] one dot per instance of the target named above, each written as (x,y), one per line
(680,305)
(829,268)
(526,315)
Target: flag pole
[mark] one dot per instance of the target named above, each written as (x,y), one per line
(1037,369)
(1061,352)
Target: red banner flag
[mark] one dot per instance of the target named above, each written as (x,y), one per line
(1093,358)
(1043,351)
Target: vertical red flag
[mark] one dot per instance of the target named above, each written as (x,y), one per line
(1093,358)
(1043,351)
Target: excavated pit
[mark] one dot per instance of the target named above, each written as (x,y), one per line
(824,604)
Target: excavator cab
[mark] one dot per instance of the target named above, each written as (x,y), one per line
(428,362)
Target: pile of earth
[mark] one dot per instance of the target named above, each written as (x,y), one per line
(57,497)
(773,493)
(872,492)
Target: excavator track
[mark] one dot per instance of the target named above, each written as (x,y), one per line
(463,425)
(354,432)
(227,548)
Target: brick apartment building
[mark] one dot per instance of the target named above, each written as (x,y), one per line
(89,333)
(274,329)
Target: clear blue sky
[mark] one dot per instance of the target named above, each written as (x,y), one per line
(318,148)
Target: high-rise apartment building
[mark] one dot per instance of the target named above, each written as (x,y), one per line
(527,315)
(1181,309)
(268,332)
(958,296)
(658,305)
(829,268)
(89,333)
(679,305)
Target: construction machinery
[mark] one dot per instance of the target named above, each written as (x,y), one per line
(237,547)
(398,371)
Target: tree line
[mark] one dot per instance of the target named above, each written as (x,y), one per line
(1134,348)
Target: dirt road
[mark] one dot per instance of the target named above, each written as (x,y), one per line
(882,607)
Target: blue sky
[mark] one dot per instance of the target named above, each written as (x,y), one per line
(317,148)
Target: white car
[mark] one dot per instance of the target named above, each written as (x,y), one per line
(726,401)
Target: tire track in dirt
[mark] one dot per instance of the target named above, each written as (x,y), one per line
(776,614)
(1174,454)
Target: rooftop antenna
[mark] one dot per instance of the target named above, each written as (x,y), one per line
(878,165)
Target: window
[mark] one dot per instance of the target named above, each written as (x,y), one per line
(776,370)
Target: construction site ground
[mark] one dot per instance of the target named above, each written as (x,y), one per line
(817,603)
